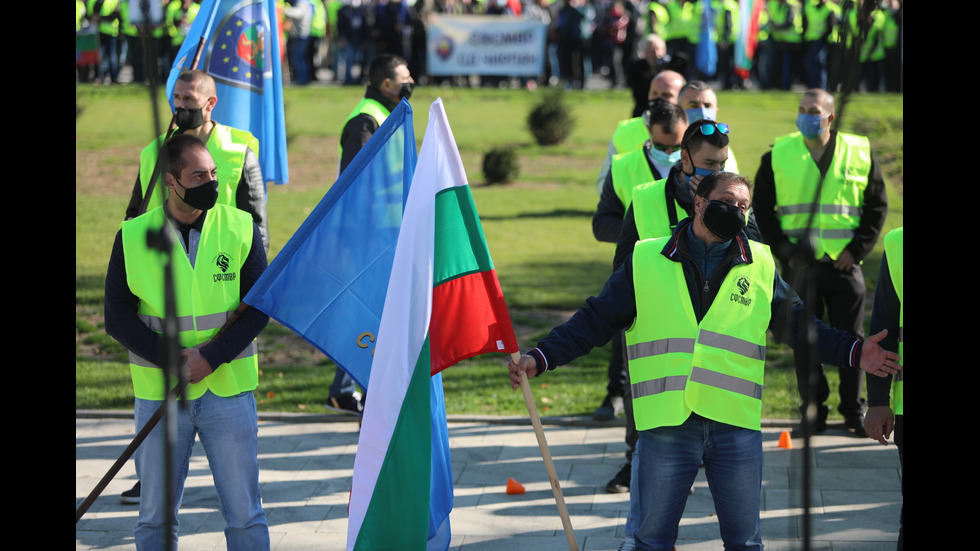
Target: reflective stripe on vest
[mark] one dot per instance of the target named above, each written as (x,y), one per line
(715,368)
(206,294)
(894,252)
(630,170)
(227,147)
(841,198)
(630,135)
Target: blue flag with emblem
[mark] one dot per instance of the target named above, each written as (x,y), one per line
(241,53)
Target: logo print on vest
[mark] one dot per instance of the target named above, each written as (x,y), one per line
(223,262)
(743,287)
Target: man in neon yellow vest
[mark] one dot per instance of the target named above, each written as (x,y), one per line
(836,176)
(649,163)
(889,313)
(697,306)
(235,151)
(216,255)
(631,134)
(388,81)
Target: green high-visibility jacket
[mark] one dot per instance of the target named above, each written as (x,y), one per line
(207,291)
(841,197)
(894,246)
(713,368)
(227,147)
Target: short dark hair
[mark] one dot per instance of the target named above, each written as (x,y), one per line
(694,138)
(664,114)
(202,80)
(382,67)
(713,180)
(698,85)
(172,152)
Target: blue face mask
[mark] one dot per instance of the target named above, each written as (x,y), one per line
(698,113)
(662,158)
(809,125)
(697,172)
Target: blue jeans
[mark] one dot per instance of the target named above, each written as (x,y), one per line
(228,428)
(665,465)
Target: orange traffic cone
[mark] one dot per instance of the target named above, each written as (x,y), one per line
(785,441)
(514,487)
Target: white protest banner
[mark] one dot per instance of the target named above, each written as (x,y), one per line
(485,45)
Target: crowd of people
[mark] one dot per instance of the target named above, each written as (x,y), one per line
(621,42)
(687,363)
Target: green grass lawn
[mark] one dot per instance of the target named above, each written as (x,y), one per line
(538,228)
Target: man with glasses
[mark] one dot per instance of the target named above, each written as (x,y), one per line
(658,206)
(699,101)
(631,134)
(836,177)
(697,305)
(655,211)
(667,123)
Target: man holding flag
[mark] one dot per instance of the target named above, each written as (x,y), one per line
(235,152)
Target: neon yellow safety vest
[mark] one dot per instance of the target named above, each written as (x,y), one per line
(657,18)
(715,368)
(818,18)
(650,210)
(207,293)
(682,22)
(369,107)
(894,245)
(318,27)
(630,170)
(779,13)
(723,10)
(227,146)
(630,135)
(841,197)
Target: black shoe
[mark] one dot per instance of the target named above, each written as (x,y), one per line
(132,495)
(857,425)
(351,404)
(611,408)
(620,484)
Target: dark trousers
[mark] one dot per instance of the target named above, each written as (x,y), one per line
(837,298)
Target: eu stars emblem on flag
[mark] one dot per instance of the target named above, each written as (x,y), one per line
(237,56)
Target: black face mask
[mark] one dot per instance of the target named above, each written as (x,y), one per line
(202,197)
(723,220)
(188,119)
(405,90)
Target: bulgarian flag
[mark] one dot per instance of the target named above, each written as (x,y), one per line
(443,304)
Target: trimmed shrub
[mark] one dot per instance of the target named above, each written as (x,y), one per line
(551,119)
(500,165)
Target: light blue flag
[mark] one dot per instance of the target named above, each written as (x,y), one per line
(706,55)
(328,284)
(241,53)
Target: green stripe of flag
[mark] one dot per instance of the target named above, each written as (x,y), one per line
(461,247)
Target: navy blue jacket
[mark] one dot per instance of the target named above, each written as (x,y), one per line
(614,309)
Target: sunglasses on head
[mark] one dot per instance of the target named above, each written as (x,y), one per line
(709,128)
